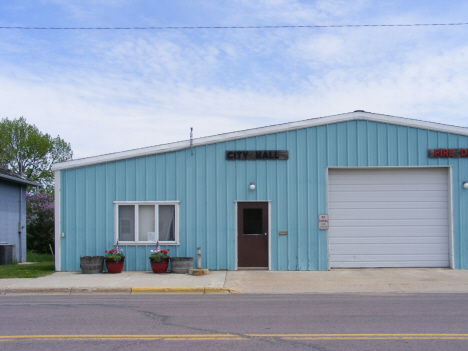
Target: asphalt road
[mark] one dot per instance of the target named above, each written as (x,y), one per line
(234,322)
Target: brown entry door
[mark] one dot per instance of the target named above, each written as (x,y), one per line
(252,234)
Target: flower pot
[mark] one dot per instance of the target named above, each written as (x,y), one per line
(114,267)
(91,264)
(160,267)
(181,264)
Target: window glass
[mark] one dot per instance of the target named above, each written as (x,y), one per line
(146,228)
(166,222)
(252,221)
(127,223)
(147,221)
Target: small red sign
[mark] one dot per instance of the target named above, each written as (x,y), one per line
(455,153)
(323,221)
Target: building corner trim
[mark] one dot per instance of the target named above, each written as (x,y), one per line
(58,221)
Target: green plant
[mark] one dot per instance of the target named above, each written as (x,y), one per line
(40,222)
(158,256)
(114,255)
(38,257)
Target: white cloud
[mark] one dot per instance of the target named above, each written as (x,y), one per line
(296,12)
(112,91)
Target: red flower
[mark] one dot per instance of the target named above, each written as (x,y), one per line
(168,250)
(111,251)
(105,251)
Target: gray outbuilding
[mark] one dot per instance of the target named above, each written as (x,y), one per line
(13,216)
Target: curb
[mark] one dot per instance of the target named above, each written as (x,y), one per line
(102,290)
(183,290)
(118,290)
(10,291)
(65,291)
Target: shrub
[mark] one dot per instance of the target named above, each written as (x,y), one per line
(40,222)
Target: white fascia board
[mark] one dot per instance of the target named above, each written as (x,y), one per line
(19,180)
(158,149)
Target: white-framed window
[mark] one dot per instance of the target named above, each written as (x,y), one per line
(144,222)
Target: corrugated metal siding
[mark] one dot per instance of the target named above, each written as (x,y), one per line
(10,193)
(207,187)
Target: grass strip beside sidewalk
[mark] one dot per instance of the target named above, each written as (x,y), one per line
(43,264)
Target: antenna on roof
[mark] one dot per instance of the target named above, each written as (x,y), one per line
(191,138)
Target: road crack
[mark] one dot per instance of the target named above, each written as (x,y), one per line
(272,340)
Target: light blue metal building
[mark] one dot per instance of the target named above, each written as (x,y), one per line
(351,190)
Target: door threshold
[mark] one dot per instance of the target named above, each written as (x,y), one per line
(252,268)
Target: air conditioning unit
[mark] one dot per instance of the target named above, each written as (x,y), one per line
(7,254)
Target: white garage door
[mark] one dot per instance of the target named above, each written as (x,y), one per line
(388,217)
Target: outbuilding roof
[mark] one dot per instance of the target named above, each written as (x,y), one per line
(313,122)
(14,177)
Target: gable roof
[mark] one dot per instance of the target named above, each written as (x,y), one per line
(313,122)
(14,177)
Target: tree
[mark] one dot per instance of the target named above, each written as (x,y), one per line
(26,150)
(40,222)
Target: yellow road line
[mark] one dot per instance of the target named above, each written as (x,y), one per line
(184,290)
(363,336)
(119,336)
(231,337)
(347,335)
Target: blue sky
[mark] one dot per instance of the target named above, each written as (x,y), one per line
(108,91)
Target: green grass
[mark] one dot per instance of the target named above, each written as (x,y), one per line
(37,257)
(44,265)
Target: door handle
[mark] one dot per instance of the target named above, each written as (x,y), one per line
(266,233)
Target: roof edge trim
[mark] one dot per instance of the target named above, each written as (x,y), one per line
(19,180)
(368,116)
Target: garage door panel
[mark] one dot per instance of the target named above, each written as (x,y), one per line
(387,249)
(398,214)
(391,258)
(391,176)
(390,231)
(402,240)
(384,196)
(389,204)
(390,187)
(388,217)
(392,262)
(388,222)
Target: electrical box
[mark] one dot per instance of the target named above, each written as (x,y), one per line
(7,254)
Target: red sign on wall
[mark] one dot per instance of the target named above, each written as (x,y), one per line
(437,153)
(323,221)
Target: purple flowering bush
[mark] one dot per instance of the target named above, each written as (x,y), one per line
(40,222)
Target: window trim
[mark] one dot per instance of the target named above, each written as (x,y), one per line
(136,228)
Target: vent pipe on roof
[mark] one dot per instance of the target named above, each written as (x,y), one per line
(191,138)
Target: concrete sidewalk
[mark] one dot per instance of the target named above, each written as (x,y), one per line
(366,281)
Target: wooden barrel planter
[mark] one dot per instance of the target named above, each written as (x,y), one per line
(91,264)
(181,264)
